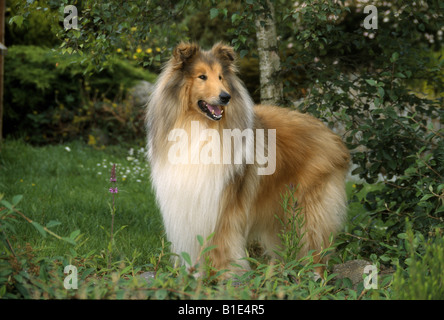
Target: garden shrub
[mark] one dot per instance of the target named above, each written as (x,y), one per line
(423,278)
(49,98)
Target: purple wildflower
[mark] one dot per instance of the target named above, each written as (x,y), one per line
(113,190)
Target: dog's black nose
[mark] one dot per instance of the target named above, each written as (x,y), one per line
(224,97)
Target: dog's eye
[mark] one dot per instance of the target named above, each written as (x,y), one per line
(220,77)
(203,77)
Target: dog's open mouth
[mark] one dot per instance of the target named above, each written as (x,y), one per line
(211,111)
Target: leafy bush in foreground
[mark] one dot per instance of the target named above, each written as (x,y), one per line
(423,278)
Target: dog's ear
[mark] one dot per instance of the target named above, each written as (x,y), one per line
(184,53)
(226,55)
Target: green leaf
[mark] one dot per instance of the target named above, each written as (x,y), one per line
(52,223)
(426,197)
(7,204)
(243,53)
(200,239)
(385,258)
(394,57)
(16,199)
(71,241)
(18,20)
(74,234)
(161,294)
(186,257)
(377,102)
(371,82)
(381,92)
(208,249)
(235,17)
(214,13)
(39,228)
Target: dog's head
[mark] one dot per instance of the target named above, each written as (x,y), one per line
(207,75)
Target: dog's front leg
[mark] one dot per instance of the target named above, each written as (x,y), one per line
(230,237)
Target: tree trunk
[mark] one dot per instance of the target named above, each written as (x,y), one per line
(269,61)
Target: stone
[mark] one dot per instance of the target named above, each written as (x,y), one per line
(353,269)
(148,276)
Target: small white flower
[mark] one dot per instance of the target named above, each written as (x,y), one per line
(68,149)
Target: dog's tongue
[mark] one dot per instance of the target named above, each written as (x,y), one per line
(214,109)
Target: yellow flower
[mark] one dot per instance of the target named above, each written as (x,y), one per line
(21,180)
(33,184)
(119,50)
(133,29)
(149,50)
(134,57)
(158,49)
(139,50)
(91,140)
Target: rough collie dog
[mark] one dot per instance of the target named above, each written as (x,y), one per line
(196,112)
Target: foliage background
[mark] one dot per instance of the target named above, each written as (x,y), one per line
(381,89)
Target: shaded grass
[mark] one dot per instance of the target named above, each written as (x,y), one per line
(70,185)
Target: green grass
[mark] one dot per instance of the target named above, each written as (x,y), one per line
(69,183)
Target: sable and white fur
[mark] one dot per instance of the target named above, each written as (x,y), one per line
(232,200)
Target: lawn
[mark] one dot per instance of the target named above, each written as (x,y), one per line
(65,188)
(70,184)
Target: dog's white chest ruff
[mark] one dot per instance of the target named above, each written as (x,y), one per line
(189,197)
